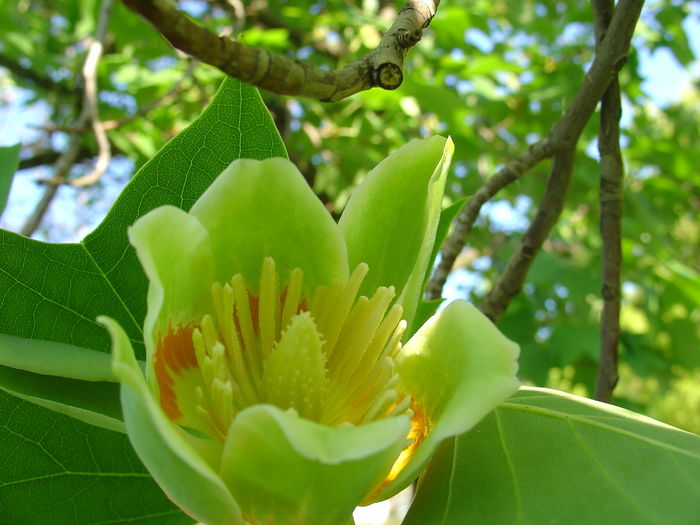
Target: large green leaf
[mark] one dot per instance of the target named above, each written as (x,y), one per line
(51,295)
(55,470)
(549,457)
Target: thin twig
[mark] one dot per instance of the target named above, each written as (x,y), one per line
(104,153)
(610,57)
(67,158)
(381,67)
(237,10)
(611,178)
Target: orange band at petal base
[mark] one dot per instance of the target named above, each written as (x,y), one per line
(174,354)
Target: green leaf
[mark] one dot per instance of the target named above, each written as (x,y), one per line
(9,160)
(549,457)
(58,471)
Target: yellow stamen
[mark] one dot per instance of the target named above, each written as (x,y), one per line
(291,301)
(340,313)
(247,330)
(268,311)
(366,330)
(241,373)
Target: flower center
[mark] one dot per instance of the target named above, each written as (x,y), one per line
(328,356)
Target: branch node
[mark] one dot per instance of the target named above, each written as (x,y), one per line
(407,38)
(387,76)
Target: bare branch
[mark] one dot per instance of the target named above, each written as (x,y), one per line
(611,188)
(67,158)
(548,212)
(40,159)
(104,154)
(381,67)
(611,56)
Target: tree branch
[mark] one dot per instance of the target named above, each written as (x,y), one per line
(610,57)
(513,276)
(67,158)
(381,67)
(611,188)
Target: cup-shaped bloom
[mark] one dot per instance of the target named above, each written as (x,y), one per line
(277,386)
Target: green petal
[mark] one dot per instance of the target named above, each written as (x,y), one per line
(390,221)
(284,469)
(182,474)
(458,367)
(176,255)
(55,358)
(265,208)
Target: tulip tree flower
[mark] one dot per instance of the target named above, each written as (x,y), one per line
(278,388)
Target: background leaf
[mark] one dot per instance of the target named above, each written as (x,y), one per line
(56,470)
(549,457)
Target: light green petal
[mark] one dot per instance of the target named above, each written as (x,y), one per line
(390,221)
(458,367)
(265,208)
(182,474)
(55,358)
(176,255)
(284,469)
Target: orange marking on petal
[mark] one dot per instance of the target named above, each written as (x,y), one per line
(420,428)
(174,354)
(254,304)
(303,306)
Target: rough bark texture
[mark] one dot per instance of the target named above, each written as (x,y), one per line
(611,179)
(381,67)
